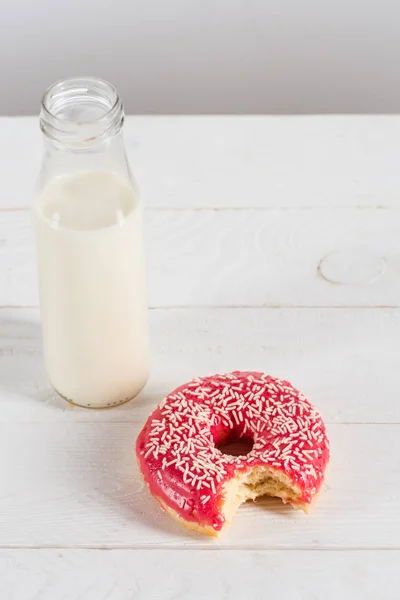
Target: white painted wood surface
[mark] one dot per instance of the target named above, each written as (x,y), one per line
(197,575)
(77,485)
(299,201)
(332,354)
(266,257)
(236,161)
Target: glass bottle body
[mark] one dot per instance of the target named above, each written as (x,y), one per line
(90,256)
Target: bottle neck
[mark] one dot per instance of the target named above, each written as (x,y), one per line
(81,113)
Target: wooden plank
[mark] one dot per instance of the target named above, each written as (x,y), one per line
(77,484)
(246,161)
(345,360)
(244,258)
(211,575)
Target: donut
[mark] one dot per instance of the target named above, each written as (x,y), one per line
(179,455)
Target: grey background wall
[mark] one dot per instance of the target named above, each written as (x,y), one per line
(207,56)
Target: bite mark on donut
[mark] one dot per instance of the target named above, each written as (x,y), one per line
(258,482)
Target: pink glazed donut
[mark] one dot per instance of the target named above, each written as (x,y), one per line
(179,458)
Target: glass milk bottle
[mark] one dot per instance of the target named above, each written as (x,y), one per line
(90,257)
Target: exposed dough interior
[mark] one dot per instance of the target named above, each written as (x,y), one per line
(256,482)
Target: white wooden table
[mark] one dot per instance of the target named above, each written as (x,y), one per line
(273,244)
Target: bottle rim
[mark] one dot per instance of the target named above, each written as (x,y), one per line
(81,111)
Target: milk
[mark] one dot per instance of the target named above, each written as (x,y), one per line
(92,287)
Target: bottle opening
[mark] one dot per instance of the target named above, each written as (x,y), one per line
(81,110)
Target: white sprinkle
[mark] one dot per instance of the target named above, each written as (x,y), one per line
(149,451)
(307,453)
(304,460)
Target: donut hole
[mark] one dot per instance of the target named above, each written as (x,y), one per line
(236,446)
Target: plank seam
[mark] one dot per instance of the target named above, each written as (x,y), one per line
(212,547)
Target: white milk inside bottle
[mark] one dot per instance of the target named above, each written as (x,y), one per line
(92,287)
(90,256)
